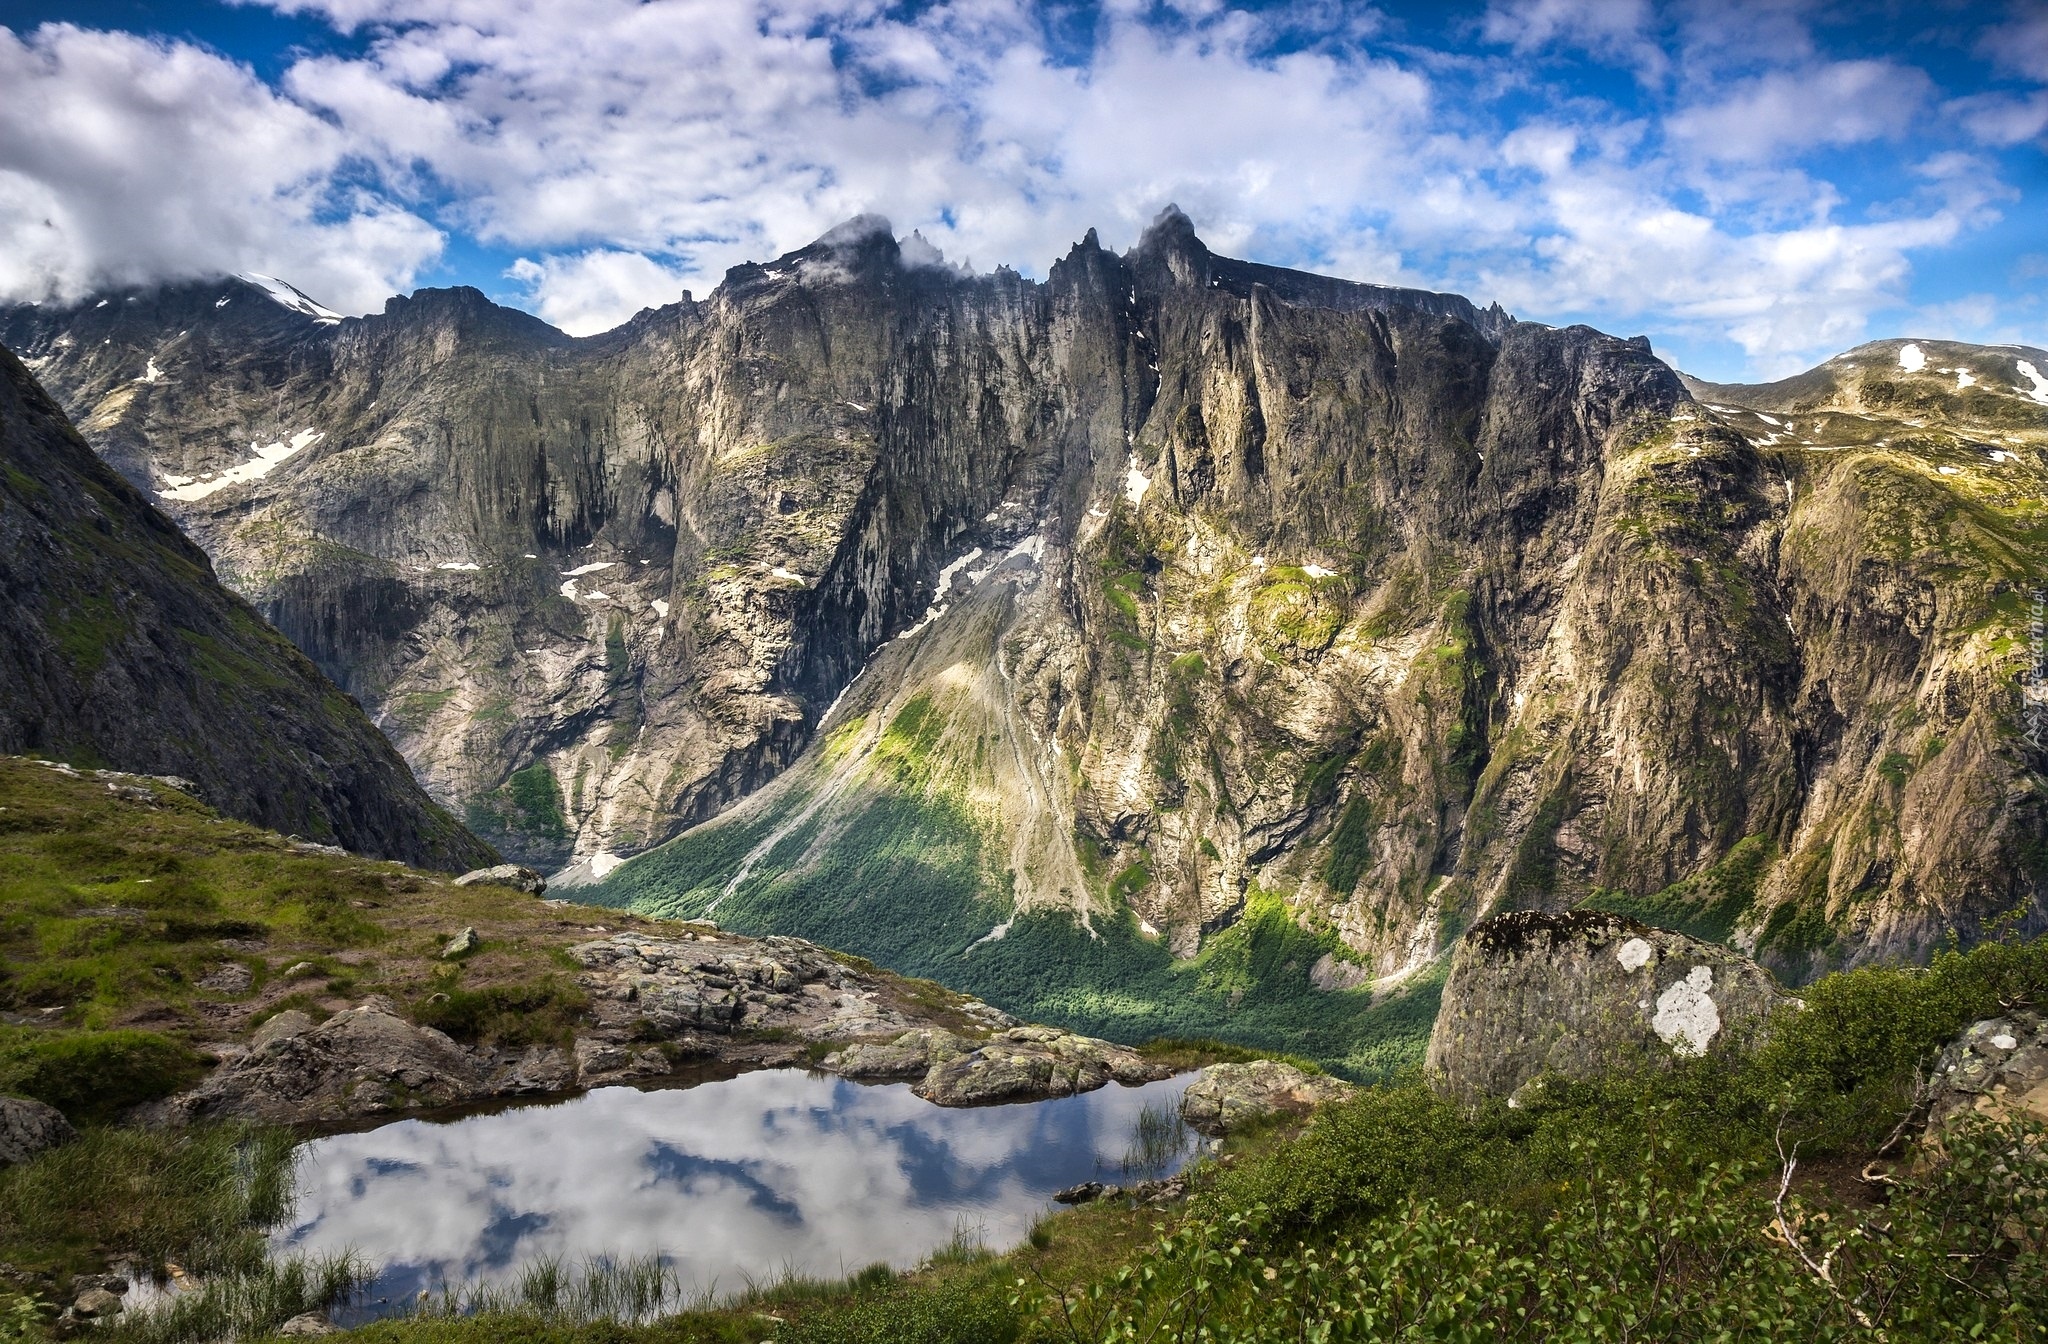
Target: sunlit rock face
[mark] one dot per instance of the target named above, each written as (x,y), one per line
(1174,576)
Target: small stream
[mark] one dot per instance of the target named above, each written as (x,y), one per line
(732,1182)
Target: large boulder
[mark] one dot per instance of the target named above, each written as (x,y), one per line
(505,875)
(366,1061)
(1997,1068)
(28,1128)
(1229,1096)
(910,1055)
(1585,993)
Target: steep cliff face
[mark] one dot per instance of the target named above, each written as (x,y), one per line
(1190,594)
(119,648)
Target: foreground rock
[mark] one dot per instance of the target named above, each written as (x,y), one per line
(505,875)
(1998,1068)
(656,1005)
(367,1061)
(1230,1096)
(1587,993)
(28,1128)
(1022,1063)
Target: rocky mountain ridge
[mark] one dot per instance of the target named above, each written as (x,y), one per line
(1176,580)
(118,647)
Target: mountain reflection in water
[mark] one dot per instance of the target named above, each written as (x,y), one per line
(741,1179)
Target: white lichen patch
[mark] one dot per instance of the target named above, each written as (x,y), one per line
(2003,1041)
(1687,1019)
(1634,955)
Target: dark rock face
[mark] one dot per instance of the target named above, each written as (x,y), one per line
(118,647)
(1584,994)
(1390,604)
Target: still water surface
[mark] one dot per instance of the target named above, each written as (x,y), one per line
(741,1179)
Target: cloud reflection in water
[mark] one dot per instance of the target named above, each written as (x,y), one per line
(748,1177)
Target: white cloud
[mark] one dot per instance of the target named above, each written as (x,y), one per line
(593,291)
(124,160)
(1834,103)
(623,150)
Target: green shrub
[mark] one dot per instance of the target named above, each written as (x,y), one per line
(542,1013)
(95,1076)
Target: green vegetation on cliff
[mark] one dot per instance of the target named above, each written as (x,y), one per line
(905,884)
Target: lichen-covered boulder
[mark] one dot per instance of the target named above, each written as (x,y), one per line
(1229,1096)
(1027,1063)
(1997,1068)
(1586,993)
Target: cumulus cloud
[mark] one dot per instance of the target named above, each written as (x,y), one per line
(617,151)
(124,160)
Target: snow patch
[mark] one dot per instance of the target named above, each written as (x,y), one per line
(1318,572)
(1964,378)
(1950,471)
(581,570)
(290,297)
(781,573)
(458,564)
(265,461)
(1136,483)
(1634,955)
(2032,375)
(1686,1017)
(152,374)
(1910,358)
(660,605)
(1258,562)
(603,864)
(2000,455)
(569,590)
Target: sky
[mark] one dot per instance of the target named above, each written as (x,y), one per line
(1754,184)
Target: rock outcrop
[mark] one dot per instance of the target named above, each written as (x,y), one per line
(1230,1096)
(118,647)
(1019,1064)
(28,1128)
(1997,1068)
(1584,994)
(366,1062)
(505,875)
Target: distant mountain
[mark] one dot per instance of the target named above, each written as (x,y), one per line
(1173,595)
(118,648)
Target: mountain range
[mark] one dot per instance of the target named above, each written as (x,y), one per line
(1173,643)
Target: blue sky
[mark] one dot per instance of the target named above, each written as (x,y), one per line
(1755,184)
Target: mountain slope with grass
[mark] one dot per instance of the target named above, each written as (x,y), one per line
(119,648)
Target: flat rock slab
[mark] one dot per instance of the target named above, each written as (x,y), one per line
(1230,1096)
(1586,993)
